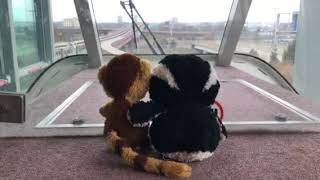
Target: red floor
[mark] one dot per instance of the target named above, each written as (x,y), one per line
(256,156)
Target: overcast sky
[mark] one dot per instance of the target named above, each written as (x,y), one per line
(185,10)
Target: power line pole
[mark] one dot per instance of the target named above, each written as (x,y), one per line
(133,26)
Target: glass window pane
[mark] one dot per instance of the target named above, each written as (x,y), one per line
(7,74)
(270,33)
(179,26)
(69,95)
(40,36)
(26,32)
(27,37)
(68,39)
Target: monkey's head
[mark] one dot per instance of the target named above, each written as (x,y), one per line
(125,77)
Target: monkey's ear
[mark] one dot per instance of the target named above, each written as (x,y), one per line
(102,74)
(103,112)
(145,69)
(102,77)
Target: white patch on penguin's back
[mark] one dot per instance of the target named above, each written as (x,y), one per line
(189,157)
(162,72)
(212,80)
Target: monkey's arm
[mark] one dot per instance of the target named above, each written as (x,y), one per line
(141,113)
(105,110)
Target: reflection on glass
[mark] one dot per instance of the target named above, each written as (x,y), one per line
(27,37)
(26,33)
(270,33)
(40,38)
(179,26)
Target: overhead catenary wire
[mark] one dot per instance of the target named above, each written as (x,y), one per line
(138,28)
(133,7)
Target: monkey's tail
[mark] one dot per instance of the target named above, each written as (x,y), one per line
(145,163)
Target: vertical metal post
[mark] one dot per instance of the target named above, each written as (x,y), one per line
(146,25)
(133,24)
(275,40)
(1,56)
(233,29)
(306,62)
(44,30)
(137,26)
(7,34)
(51,53)
(89,31)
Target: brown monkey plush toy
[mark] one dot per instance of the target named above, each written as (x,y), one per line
(126,79)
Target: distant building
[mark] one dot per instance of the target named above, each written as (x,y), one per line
(174,20)
(71,23)
(120,19)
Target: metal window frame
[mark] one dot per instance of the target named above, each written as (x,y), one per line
(1,56)
(236,20)
(89,31)
(44,27)
(45,42)
(7,33)
(15,102)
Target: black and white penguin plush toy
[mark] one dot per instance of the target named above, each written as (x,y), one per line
(183,125)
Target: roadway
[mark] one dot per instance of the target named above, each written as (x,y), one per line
(111,43)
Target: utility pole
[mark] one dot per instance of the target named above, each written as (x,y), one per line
(133,26)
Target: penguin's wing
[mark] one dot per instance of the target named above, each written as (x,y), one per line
(141,113)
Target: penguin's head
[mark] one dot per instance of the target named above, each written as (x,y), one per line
(184,79)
